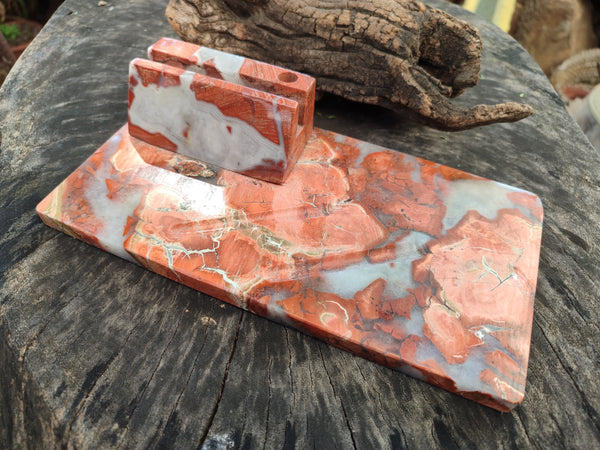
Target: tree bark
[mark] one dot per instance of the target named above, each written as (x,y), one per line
(399,54)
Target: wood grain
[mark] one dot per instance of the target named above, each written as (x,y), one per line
(401,55)
(97,352)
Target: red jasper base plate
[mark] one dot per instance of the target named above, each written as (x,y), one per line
(420,267)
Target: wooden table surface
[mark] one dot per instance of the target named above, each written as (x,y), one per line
(97,352)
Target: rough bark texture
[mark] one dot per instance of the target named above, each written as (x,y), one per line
(96,352)
(399,54)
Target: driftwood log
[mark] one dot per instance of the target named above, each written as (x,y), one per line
(399,54)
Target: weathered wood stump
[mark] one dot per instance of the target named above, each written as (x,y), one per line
(96,352)
(400,54)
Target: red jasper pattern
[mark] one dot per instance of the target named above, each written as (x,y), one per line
(243,115)
(419,267)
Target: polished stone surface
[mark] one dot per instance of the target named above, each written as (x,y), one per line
(237,113)
(420,267)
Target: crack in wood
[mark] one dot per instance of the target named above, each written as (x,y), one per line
(187,381)
(339,400)
(7,236)
(568,295)
(269,399)
(532,442)
(441,434)
(38,333)
(379,400)
(289,348)
(141,394)
(223,382)
(592,413)
(103,368)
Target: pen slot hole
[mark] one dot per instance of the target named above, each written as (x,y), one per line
(287,77)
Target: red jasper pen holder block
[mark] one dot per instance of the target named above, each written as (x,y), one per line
(420,267)
(239,114)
